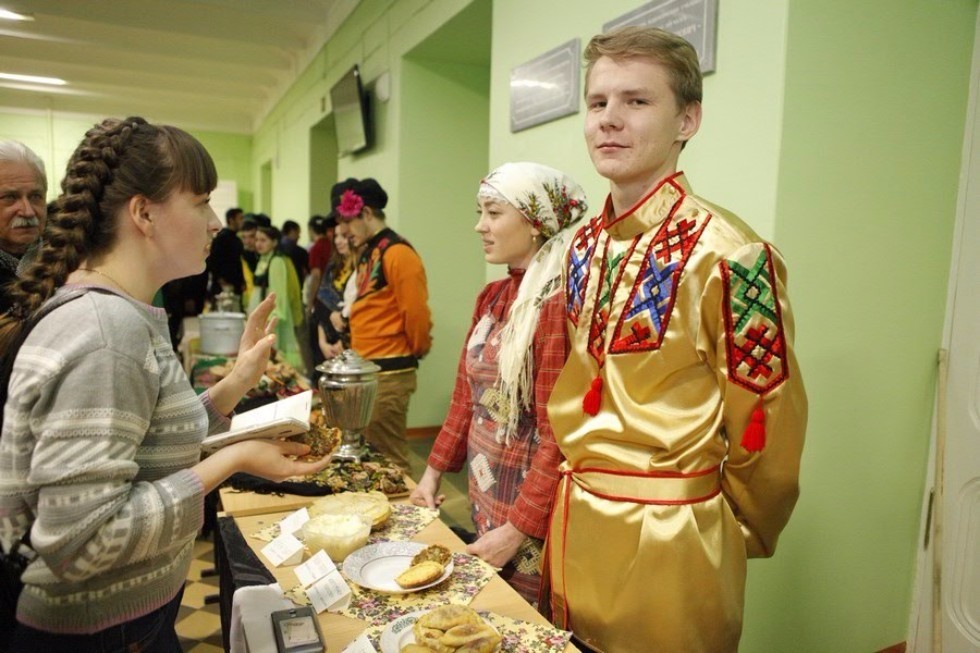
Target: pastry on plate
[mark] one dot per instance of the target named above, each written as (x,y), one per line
(453,629)
(421,574)
(436,553)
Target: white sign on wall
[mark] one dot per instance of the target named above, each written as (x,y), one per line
(545,88)
(224,197)
(695,20)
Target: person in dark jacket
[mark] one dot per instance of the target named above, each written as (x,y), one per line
(23,210)
(225,261)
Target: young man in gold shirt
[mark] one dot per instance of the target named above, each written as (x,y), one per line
(682,359)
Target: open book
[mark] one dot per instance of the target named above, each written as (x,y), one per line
(279,419)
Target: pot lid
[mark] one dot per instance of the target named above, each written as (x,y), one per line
(348,363)
(221,315)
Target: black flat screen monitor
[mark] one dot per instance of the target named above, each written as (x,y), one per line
(350,113)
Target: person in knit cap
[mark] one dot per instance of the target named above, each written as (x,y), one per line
(497,422)
(390,323)
(680,411)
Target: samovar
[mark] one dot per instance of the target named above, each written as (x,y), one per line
(348,387)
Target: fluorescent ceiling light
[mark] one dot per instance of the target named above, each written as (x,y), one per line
(33,79)
(6,14)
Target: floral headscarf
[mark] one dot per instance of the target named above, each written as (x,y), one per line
(553,203)
(548,198)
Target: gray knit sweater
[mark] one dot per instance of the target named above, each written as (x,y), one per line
(100,429)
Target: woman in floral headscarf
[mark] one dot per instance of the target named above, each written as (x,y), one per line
(497,421)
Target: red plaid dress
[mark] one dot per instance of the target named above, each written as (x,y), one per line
(514,483)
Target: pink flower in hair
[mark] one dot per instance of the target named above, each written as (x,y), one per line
(350,205)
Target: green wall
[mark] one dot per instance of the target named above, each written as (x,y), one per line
(232,154)
(871,153)
(55,136)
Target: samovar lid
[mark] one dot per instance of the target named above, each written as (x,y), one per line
(348,363)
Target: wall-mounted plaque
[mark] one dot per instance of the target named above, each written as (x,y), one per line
(695,20)
(545,88)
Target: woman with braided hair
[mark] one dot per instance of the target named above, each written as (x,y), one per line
(100,455)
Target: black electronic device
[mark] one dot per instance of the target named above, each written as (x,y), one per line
(351,113)
(297,631)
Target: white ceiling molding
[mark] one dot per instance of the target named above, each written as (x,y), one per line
(217,65)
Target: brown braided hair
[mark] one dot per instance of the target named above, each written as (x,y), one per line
(117,160)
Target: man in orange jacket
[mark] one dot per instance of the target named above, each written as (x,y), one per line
(390,322)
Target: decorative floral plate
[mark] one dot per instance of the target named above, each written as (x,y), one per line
(375,566)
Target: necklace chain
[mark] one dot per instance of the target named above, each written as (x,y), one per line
(103,274)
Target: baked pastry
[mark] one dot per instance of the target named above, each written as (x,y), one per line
(486,644)
(436,553)
(420,574)
(417,648)
(374,505)
(453,629)
(322,439)
(459,635)
(445,617)
(430,642)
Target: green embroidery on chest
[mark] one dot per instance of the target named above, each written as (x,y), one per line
(612,269)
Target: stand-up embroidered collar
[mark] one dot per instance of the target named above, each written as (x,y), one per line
(649,212)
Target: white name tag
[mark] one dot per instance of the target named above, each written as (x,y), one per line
(480,468)
(294,522)
(480,332)
(315,568)
(329,593)
(284,550)
(360,645)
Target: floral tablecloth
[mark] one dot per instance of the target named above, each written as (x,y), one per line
(470,575)
(404,523)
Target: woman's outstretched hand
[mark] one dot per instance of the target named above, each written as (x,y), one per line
(274,460)
(253,357)
(256,344)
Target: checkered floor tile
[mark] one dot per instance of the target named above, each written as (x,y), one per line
(198,621)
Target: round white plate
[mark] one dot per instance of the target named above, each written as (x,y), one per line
(375,566)
(398,633)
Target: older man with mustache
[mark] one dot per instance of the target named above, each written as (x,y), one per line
(23,187)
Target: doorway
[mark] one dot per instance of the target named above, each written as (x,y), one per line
(323,164)
(265,188)
(444,149)
(959,508)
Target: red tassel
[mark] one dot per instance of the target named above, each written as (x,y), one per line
(754,438)
(593,398)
